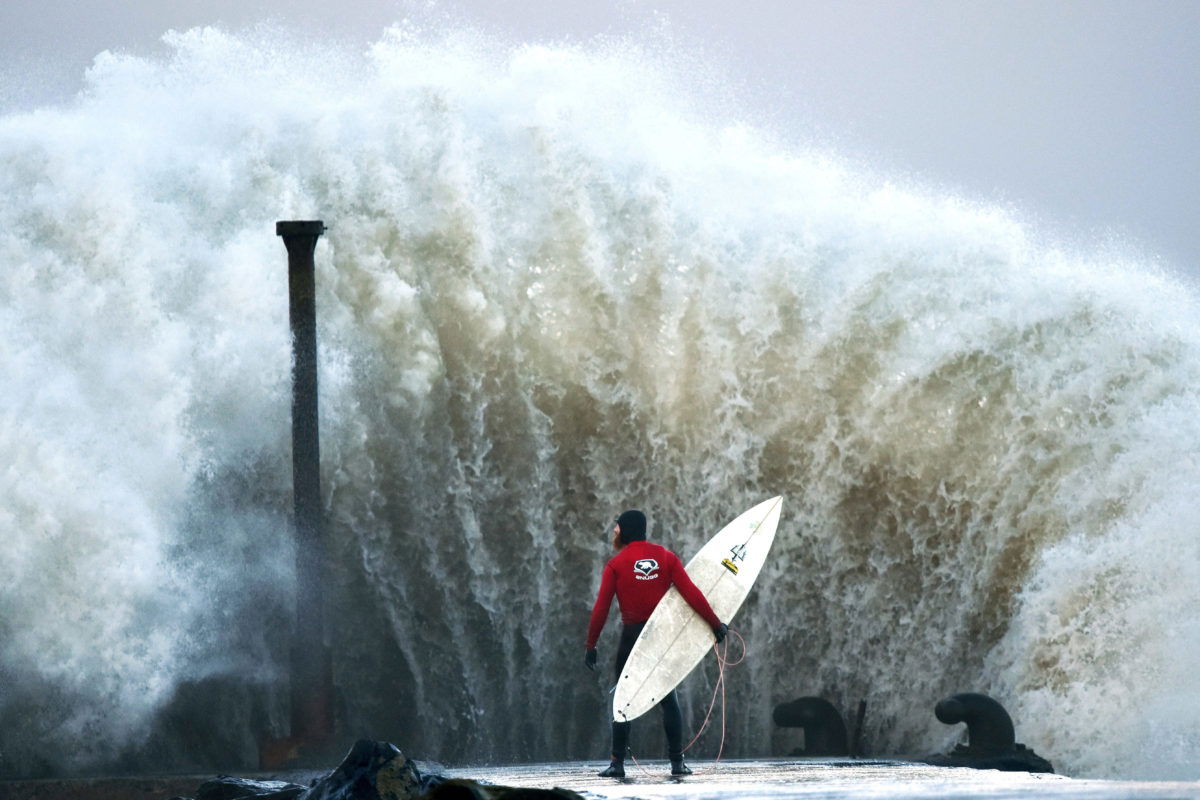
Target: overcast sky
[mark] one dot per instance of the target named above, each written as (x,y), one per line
(1083,114)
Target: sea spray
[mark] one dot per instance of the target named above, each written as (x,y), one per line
(551,290)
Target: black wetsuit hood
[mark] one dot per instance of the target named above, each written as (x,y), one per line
(633,526)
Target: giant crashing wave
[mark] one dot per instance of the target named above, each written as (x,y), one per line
(551,291)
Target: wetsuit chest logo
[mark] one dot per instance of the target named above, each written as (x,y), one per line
(646,569)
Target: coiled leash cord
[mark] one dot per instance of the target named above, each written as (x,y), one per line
(718,689)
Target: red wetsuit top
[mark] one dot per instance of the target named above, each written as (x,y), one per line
(639,575)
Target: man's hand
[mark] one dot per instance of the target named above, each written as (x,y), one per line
(720,632)
(589,659)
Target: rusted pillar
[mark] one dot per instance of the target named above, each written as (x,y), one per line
(312,674)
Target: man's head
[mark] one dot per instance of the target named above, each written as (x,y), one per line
(632,526)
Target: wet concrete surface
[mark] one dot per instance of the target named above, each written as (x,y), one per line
(727,780)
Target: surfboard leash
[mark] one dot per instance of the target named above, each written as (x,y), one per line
(723,663)
(718,689)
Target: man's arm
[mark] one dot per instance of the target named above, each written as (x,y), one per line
(692,593)
(608,588)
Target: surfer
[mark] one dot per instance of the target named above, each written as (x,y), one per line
(640,575)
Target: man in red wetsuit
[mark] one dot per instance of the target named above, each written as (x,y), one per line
(639,575)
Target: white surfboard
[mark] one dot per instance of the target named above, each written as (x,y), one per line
(676,638)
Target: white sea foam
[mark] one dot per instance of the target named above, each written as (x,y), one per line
(551,289)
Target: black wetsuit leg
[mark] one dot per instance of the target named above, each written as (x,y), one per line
(671,714)
(620,730)
(672,725)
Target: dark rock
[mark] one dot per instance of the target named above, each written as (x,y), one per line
(225,787)
(991,739)
(372,771)
(521,793)
(457,789)
(824,729)
(379,771)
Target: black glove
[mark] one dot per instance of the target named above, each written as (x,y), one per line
(589,659)
(720,631)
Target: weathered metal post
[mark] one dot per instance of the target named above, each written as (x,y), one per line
(312,673)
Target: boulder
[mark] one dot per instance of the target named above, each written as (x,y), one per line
(379,771)
(458,789)
(372,771)
(225,787)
